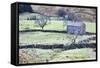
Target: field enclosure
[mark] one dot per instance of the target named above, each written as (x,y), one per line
(54,33)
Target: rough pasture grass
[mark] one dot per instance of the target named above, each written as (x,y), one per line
(48,55)
(75,54)
(48,38)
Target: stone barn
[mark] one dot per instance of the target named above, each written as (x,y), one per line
(75,27)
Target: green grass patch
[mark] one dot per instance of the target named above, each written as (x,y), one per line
(30,24)
(91,27)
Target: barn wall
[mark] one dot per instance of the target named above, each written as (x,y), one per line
(76,29)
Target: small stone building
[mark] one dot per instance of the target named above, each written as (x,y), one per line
(75,27)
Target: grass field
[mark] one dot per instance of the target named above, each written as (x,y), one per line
(90,27)
(34,55)
(52,25)
(47,37)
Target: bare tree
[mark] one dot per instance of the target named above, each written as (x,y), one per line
(42,21)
